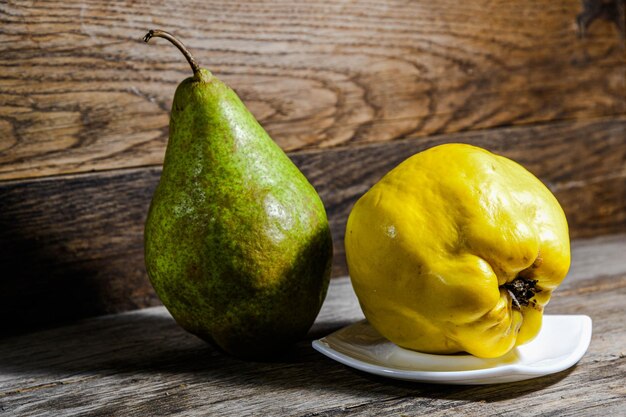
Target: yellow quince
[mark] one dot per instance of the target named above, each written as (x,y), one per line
(457,249)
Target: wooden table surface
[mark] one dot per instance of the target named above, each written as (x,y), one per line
(142,364)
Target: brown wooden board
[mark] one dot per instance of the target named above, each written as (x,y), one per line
(141,363)
(583,163)
(72,246)
(79,91)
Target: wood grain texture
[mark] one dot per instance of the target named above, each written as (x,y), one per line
(72,246)
(79,91)
(584,164)
(141,363)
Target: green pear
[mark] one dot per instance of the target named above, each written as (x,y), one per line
(237,242)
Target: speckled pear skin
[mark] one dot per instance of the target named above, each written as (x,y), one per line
(237,243)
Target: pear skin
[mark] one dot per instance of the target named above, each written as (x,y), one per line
(237,242)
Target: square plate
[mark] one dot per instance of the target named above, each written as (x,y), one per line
(561,342)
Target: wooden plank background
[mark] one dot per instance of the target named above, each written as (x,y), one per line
(348,89)
(80,91)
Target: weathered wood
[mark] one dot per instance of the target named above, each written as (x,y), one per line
(142,363)
(80,92)
(583,163)
(72,246)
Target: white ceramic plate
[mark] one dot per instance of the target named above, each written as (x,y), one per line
(562,341)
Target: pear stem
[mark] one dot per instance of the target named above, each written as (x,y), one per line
(163,34)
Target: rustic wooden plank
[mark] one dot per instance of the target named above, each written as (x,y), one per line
(80,92)
(583,163)
(72,246)
(142,363)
